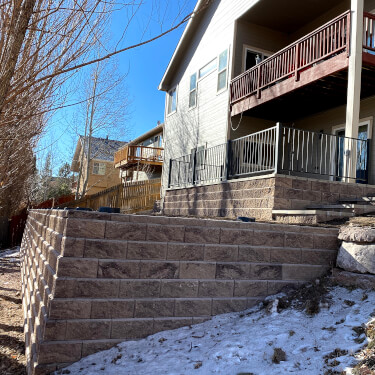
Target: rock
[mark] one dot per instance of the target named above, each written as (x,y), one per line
(357,234)
(356,257)
(355,280)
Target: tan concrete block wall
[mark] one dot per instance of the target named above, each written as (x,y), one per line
(91,280)
(257,197)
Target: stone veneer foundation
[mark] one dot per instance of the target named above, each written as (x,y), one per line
(91,280)
(258,196)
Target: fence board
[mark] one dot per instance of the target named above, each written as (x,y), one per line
(129,197)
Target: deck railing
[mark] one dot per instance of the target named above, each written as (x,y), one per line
(142,154)
(369,32)
(275,150)
(321,44)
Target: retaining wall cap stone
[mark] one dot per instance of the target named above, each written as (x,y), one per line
(357,234)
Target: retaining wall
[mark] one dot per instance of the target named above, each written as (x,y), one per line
(258,196)
(91,280)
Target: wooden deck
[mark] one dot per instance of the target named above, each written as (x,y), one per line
(312,68)
(130,155)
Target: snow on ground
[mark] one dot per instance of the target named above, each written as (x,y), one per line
(244,343)
(10,255)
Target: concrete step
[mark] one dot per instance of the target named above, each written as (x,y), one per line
(308,216)
(367,200)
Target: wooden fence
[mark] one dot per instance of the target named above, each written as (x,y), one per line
(130,197)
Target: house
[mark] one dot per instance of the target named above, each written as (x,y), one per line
(269,109)
(98,170)
(142,158)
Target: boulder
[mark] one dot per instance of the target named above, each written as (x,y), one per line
(357,257)
(357,234)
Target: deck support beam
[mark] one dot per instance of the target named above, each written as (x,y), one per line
(354,83)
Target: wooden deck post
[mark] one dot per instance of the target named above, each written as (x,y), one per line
(354,86)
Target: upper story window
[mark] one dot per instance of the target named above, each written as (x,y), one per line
(98,168)
(222,71)
(208,68)
(172,101)
(193,91)
(253,58)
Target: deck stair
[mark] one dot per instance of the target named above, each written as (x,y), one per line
(320,213)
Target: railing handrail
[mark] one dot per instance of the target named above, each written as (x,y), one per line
(148,147)
(256,133)
(298,41)
(319,133)
(369,15)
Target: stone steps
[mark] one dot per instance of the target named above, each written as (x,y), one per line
(319,213)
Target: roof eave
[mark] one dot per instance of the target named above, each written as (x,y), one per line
(163,86)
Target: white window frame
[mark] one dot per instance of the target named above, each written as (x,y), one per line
(255,50)
(193,91)
(218,91)
(213,68)
(170,100)
(99,166)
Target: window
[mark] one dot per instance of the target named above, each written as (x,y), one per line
(222,71)
(193,91)
(208,68)
(172,101)
(253,58)
(98,168)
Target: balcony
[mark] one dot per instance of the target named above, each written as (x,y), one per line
(129,156)
(279,149)
(311,70)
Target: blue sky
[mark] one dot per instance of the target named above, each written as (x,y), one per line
(144,66)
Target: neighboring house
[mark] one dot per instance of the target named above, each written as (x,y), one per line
(99,168)
(271,87)
(142,158)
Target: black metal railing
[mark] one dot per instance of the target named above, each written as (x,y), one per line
(278,149)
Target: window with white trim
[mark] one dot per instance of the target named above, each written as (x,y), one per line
(253,58)
(172,101)
(208,68)
(98,168)
(222,71)
(193,91)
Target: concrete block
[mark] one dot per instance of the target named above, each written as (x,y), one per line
(216,288)
(227,305)
(159,270)
(268,239)
(86,288)
(54,330)
(112,309)
(154,308)
(266,272)
(110,269)
(162,233)
(285,255)
(84,228)
(193,307)
(244,288)
(253,254)
(88,329)
(50,352)
(149,219)
(77,267)
(72,247)
(105,249)
(302,273)
(316,257)
(232,271)
(299,240)
(326,242)
(292,194)
(69,309)
(132,329)
(236,236)
(147,250)
(139,288)
(197,270)
(179,289)
(125,231)
(178,251)
(223,253)
(163,324)
(202,235)
(92,347)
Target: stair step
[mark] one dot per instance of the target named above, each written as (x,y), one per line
(312,212)
(362,199)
